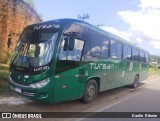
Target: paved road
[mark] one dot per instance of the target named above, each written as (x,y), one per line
(144,99)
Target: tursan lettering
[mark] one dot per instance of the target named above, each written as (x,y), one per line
(101,66)
(46,26)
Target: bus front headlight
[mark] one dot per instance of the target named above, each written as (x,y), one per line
(40,84)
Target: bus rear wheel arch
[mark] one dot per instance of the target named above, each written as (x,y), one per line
(90,92)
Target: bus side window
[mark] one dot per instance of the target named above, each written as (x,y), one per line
(115,50)
(127,52)
(105,48)
(146,57)
(119,51)
(86,36)
(96,45)
(141,56)
(72,43)
(99,45)
(74,54)
(63,53)
(135,55)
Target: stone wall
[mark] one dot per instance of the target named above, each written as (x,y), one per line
(15,15)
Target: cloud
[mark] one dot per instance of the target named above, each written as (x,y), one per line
(145,4)
(145,21)
(139,40)
(156,44)
(122,34)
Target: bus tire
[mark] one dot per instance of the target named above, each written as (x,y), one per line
(136,82)
(90,91)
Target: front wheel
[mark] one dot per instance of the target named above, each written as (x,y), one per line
(90,91)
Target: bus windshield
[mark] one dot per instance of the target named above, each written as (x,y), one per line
(35,48)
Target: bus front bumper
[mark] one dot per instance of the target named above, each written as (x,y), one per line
(41,94)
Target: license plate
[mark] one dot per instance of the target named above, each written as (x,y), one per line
(18,90)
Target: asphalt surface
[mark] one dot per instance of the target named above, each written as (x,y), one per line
(146,99)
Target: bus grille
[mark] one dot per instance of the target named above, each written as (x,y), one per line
(21,82)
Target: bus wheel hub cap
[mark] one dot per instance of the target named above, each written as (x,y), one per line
(90,91)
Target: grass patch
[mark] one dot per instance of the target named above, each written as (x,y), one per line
(153,71)
(4,67)
(4,76)
(4,80)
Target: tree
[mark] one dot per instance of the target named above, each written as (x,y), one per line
(31,2)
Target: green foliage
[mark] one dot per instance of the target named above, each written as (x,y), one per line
(5,57)
(4,76)
(153,70)
(30,2)
(154,58)
(1,57)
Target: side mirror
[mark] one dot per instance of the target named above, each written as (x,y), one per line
(9,41)
(69,43)
(65,44)
(37,51)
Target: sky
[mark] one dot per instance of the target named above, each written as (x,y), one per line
(137,21)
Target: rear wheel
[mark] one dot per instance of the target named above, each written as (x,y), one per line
(90,91)
(136,82)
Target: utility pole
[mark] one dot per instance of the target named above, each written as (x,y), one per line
(85,16)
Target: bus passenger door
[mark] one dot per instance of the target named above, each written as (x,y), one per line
(68,70)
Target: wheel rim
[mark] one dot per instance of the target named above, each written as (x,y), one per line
(136,83)
(91,91)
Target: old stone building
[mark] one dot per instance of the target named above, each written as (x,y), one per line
(15,15)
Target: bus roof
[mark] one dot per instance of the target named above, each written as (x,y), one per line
(69,20)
